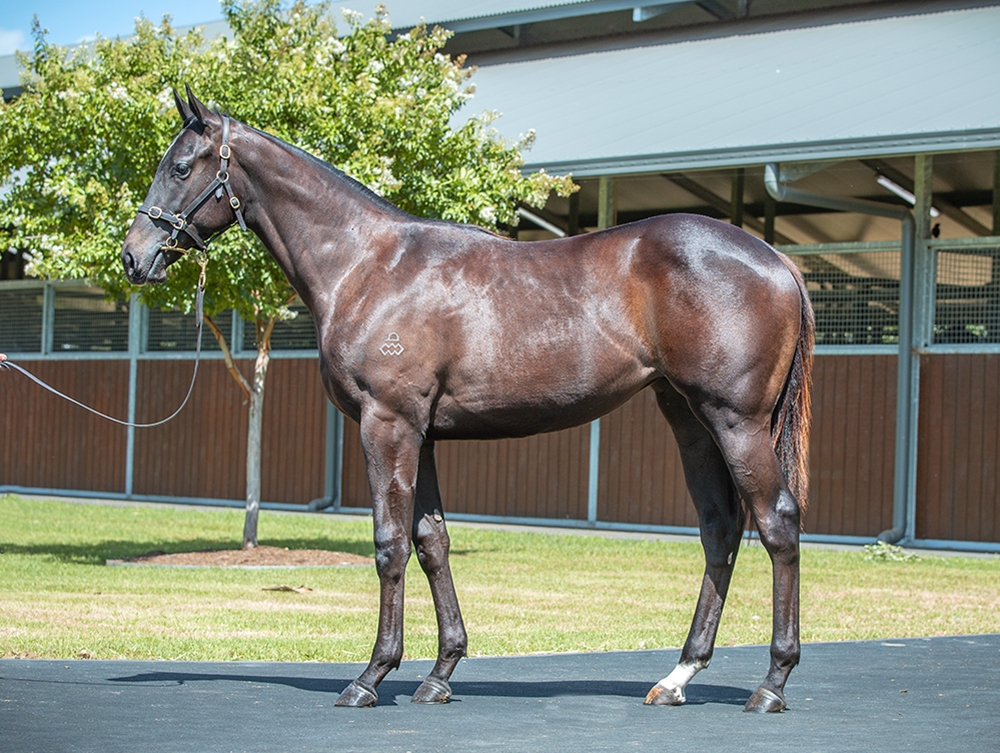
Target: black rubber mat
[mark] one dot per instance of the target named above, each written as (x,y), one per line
(933,695)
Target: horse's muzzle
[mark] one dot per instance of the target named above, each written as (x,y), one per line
(139,271)
(132,271)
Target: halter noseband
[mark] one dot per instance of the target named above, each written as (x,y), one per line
(181,220)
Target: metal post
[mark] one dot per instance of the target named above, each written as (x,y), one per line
(135,333)
(606,218)
(996,193)
(606,203)
(925,274)
(48,317)
(736,199)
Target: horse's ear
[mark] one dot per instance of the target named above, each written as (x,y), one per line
(182,107)
(198,110)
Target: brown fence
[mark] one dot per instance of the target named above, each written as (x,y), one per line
(958,448)
(640,479)
(852,447)
(48,444)
(202,453)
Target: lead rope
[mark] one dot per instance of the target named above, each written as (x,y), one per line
(199,313)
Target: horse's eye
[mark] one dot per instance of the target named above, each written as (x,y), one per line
(182,170)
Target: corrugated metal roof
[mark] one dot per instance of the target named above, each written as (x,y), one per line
(884,86)
(482,14)
(891,85)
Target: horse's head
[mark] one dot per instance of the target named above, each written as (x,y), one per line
(190,199)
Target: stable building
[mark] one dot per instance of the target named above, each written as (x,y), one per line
(861,138)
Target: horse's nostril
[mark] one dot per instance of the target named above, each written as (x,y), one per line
(129,261)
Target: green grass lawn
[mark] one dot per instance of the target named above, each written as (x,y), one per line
(520,592)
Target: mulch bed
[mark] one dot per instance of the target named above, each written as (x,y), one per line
(261,556)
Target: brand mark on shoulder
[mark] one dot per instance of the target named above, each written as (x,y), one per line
(391,346)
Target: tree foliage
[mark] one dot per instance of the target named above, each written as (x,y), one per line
(79,147)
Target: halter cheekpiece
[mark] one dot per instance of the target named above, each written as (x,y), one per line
(181,220)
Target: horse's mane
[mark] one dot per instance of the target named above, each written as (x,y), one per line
(324,166)
(360,188)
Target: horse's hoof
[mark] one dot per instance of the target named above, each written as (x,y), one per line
(661,695)
(764,701)
(357,697)
(432,690)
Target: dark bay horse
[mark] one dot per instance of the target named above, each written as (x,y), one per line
(429,330)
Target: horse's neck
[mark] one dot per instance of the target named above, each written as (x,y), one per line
(316,222)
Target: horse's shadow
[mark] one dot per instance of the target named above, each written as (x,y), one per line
(389,690)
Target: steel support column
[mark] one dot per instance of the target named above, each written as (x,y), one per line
(606,217)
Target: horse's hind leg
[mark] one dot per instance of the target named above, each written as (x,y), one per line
(746,444)
(720,517)
(430,537)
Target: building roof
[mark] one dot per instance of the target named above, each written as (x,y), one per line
(889,85)
(854,81)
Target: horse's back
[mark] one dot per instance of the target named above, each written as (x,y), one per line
(505,338)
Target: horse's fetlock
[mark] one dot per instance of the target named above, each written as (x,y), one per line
(786,656)
(388,660)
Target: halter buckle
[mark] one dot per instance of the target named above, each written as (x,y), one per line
(155,213)
(225,152)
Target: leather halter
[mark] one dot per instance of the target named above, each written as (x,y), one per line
(181,221)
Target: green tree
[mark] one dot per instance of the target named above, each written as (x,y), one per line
(79,148)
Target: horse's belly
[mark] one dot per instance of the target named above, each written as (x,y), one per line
(496,409)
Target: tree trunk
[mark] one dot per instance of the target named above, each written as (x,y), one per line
(254,390)
(255,426)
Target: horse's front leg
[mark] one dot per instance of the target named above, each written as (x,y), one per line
(430,537)
(392,448)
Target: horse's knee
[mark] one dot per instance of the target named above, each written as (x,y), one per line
(392,552)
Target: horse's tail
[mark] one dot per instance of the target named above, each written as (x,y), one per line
(792,417)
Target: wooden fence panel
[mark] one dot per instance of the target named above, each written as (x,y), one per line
(852,448)
(202,452)
(641,480)
(48,443)
(958,448)
(851,454)
(544,476)
(354,490)
(294,442)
